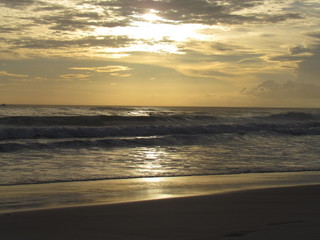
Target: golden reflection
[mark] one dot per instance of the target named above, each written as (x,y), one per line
(151,161)
(153,179)
(152,155)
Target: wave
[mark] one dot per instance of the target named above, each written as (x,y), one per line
(298,116)
(230,172)
(310,128)
(106,137)
(127,142)
(153,118)
(99,120)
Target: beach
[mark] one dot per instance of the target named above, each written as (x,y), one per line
(268,213)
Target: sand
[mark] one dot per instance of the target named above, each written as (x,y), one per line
(276,213)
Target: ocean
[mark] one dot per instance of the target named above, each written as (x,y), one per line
(43,145)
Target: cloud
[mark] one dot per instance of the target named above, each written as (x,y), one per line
(307,58)
(114,70)
(73,76)
(44,7)
(309,70)
(85,42)
(223,62)
(30,80)
(304,89)
(61,22)
(287,90)
(198,11)
(295,54)
(120,75)
(299,50)
(72,20)
(7,74)
(288,58)
(17,3)
(106,69)
(223,47)
(315,35)
(214,71)
(8,30)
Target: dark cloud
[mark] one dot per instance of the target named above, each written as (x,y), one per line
(108,41)
(299,50)
(49,7)
(223,53)
(288,58)
(275,18)
(315,35)
(117,13)
(70,20)
(124,12)
(7,30)
(208,73)
(267,35)
(306,84)
(224,47)
(308,58)
(297,53)
(309,70)
(196,11)
(17,3)
(67,21)
(287,90)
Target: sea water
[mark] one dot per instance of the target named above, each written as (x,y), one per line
(74,144)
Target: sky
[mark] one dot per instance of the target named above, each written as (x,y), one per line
(232,53)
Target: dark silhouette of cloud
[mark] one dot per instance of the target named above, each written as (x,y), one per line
(299,50)
(306,85)
(287,90)
(196,11)
(7,30)
(309,70)
(72,20)
(315,35)
(17,3)
(108,41)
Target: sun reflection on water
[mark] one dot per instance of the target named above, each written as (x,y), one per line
(151,161)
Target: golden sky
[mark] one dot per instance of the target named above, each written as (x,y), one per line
(160,52)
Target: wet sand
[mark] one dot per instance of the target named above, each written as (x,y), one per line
(275,213)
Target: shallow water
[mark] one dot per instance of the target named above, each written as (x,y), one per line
(57,195)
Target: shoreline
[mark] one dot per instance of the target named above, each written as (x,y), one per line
(266,213)
(59,195)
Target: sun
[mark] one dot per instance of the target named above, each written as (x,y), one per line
(151,16)
(153,33)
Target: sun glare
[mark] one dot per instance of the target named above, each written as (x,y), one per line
(151,17)
(154,31)
(154,34)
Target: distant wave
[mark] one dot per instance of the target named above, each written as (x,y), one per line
(151,118)
(129,136)
(310,128)
(298,116)
(99,120)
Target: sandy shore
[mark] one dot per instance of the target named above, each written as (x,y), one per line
(277,213)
